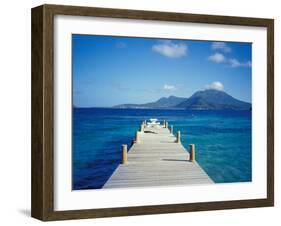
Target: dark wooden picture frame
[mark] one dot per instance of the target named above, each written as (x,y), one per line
(43,112)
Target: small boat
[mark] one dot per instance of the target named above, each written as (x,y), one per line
(153,121)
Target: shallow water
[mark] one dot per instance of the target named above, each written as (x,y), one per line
(222,139)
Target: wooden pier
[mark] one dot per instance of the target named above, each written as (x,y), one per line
(157,158)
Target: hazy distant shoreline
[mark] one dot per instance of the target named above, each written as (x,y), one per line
(169,109)
(200,100)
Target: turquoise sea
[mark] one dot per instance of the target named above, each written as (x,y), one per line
(223,141)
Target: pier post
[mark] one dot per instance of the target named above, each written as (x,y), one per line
(167,125)
(192,152)
(178,137)
(137,140)
(124,154)
(142,127)
(164,123)
(171,129)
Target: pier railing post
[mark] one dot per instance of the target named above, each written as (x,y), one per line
(192,152)
(137,140)
(142,127)
(178,137)
(164,123)
(171,129)
(124,154)
(167,125)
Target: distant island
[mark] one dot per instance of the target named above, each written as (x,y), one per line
(209,99)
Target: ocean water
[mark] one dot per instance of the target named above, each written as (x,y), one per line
(222,139)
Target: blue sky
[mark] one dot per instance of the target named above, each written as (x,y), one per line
(111,70)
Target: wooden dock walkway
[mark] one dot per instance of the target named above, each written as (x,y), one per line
(157,159)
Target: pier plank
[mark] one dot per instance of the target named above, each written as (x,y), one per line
(157,161)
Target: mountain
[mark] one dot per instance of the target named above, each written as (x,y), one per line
(202,100)
(215,100)
(164,102)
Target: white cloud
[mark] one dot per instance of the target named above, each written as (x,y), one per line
(169,87)
(217,58)
(215,85)
(232,62)
(221,46)
(249,63)
(236,63)
(170,49)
